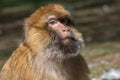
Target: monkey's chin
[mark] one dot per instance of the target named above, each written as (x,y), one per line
(66,41)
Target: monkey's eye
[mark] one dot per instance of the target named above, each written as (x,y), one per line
(65,21)
(53,21)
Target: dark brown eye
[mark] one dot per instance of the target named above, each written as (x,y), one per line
(66,22)
(63,21)
(52,22)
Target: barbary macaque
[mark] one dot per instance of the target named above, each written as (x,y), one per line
(50,50)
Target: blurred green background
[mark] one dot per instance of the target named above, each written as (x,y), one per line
(97,20)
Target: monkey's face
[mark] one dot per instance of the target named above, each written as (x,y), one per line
(52,28)
(65,38)
(61,28)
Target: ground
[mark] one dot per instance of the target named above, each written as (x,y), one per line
(102,57)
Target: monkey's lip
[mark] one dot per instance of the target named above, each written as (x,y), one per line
(69,38)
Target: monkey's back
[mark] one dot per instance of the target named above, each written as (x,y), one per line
(18,66)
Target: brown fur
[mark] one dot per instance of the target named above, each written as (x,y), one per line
(38,59)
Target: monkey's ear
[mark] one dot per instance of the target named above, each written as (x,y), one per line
(27,22)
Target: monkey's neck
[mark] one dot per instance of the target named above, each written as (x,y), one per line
(57,63)
(62,68)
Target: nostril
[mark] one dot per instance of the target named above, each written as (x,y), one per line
(63,30)
(68,30)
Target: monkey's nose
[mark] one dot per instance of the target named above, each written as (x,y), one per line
(65,30)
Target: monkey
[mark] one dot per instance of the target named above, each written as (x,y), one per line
(50,50)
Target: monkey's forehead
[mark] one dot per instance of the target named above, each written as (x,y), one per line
(57,8)
(52,9)
(41,15)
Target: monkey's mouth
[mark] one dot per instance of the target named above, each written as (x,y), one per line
(70,38)
(69,46)
(67,40)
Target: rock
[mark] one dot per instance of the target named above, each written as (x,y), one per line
(111,75)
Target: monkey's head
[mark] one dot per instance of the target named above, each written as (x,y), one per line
(52,25)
